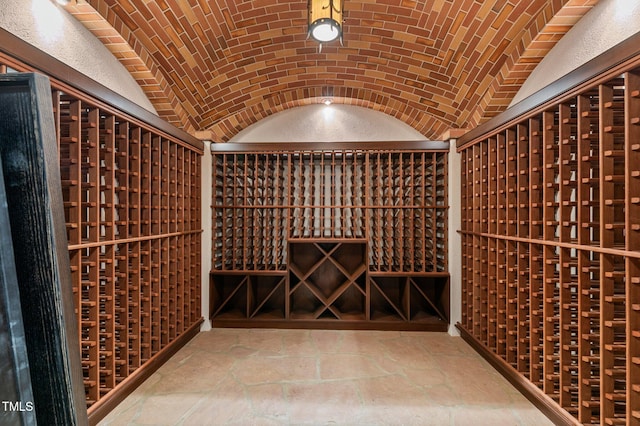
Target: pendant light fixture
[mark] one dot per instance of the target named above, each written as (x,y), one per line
(325,20)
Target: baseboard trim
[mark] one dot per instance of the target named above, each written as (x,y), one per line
(435,325)
(548,406)
(108,402)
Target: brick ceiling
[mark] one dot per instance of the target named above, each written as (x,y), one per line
(213,67)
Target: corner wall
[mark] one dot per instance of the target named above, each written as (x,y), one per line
(207,233)
(455,244)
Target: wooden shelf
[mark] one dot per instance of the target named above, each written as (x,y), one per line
(327,279)
(409,298)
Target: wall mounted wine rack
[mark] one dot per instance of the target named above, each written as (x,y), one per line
(303,237)
(551,248)
(131,193)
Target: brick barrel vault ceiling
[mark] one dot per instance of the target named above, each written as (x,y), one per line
(221,65)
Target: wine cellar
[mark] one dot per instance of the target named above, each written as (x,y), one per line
(551,268)
(347,255)
(350,236)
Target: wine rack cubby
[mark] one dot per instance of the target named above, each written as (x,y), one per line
(241,296)
(409,297)
(330,224)
(550,221)
(327,279)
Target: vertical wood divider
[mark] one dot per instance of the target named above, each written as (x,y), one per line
(632,225)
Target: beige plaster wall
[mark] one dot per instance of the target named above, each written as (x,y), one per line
(45,25)
(607,24)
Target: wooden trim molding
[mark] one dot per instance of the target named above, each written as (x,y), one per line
(133,239)
(63,74)
(602,67)
(545,404)
(554,243)
(332,146)
(101,408)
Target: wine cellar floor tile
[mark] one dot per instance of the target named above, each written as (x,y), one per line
(283,377)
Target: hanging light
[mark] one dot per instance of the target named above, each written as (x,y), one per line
(325,20)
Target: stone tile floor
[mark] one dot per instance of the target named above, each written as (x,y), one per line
(320,377)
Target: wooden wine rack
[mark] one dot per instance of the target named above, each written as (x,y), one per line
(132,205)
(133,225)
(550,236)
(343,237)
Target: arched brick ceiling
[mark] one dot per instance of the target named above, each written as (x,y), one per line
(219,66)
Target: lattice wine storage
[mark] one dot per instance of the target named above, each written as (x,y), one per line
(314,237)
(551,259)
